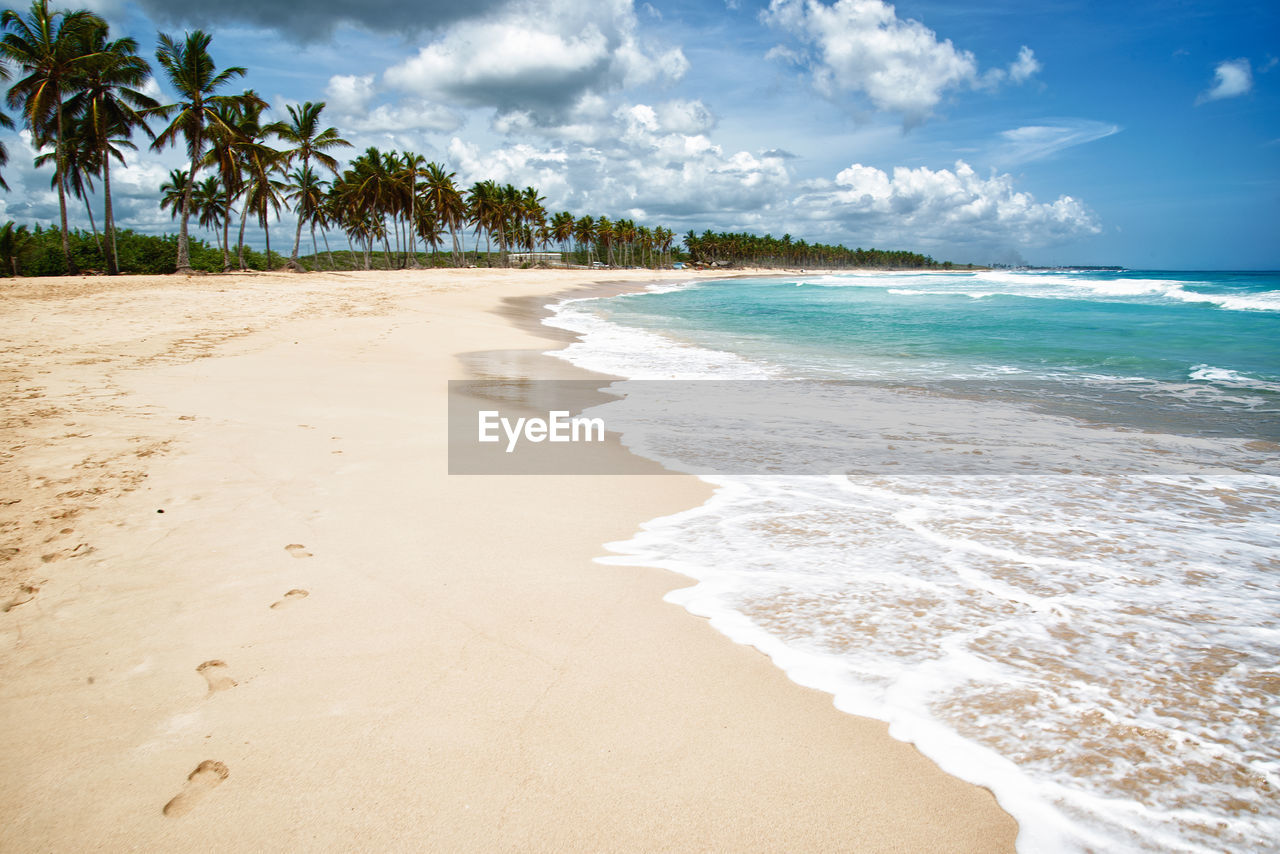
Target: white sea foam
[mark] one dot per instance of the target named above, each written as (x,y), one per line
(1099,651)
(1077,645)
(1063,285)
(625,351)
(1232,379)
(913,292)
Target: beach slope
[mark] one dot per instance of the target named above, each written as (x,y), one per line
(245,607)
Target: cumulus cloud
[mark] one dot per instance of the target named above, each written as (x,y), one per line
(949,206)
(1231,79)
(406,116)
(1024,66)
(318,18)
(639,168)
(685,117)
(1036,142)
(863,46)
(350,94)
(135,189)
(352,98)
(539,59)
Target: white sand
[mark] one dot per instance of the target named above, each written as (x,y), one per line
(459,675)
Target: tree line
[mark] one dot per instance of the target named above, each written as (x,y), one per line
(80,94)
(768,251)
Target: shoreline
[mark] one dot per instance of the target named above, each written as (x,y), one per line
(459,673)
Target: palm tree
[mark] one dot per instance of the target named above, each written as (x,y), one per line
(258,162)
(173,192)
(370,197)
(308,142)
(80,163)
(224,156)
(209,203)
(265,195)
(664,236)
(562,229)
(195,78)
(533,216)
(109,102)
(307,192)
(15,246)
(446,203)
(44,45)
(411,165)
(484,211)
(645,240)
(584,232)
(507,218)
(324,218)
(427,227)
(5,122)
(604,234)
(361,199)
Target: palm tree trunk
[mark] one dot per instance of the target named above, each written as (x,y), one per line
(413,223)
(184,250)
(93,225)
(297,238)
(267,231)
(62,191)
(315,251)
(324,232)
(108,217)
(226,235)
(244,215)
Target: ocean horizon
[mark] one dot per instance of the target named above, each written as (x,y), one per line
(1098,649)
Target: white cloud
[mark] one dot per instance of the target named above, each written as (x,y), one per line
(1230,80)
(638,164)
(593,121)
(863,46)
(914,207)
(152,89)
(537,58)
(351,98)
(408,115)
(685,117)
(350,94)
(1036,142)
(1026,65)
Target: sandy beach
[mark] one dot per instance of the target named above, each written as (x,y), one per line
(243,606)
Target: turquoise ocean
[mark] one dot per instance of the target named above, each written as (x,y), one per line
(1101,650)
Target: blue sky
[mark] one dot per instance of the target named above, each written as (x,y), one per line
(1140,134)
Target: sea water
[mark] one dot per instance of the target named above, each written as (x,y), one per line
(1100,649)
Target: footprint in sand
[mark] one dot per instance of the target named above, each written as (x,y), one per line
(215,673)
(200,782)
(297,550)
(289,598)
(25,594)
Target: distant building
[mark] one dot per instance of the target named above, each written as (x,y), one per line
(518,258)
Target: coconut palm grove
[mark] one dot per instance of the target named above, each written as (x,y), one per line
(79,93)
